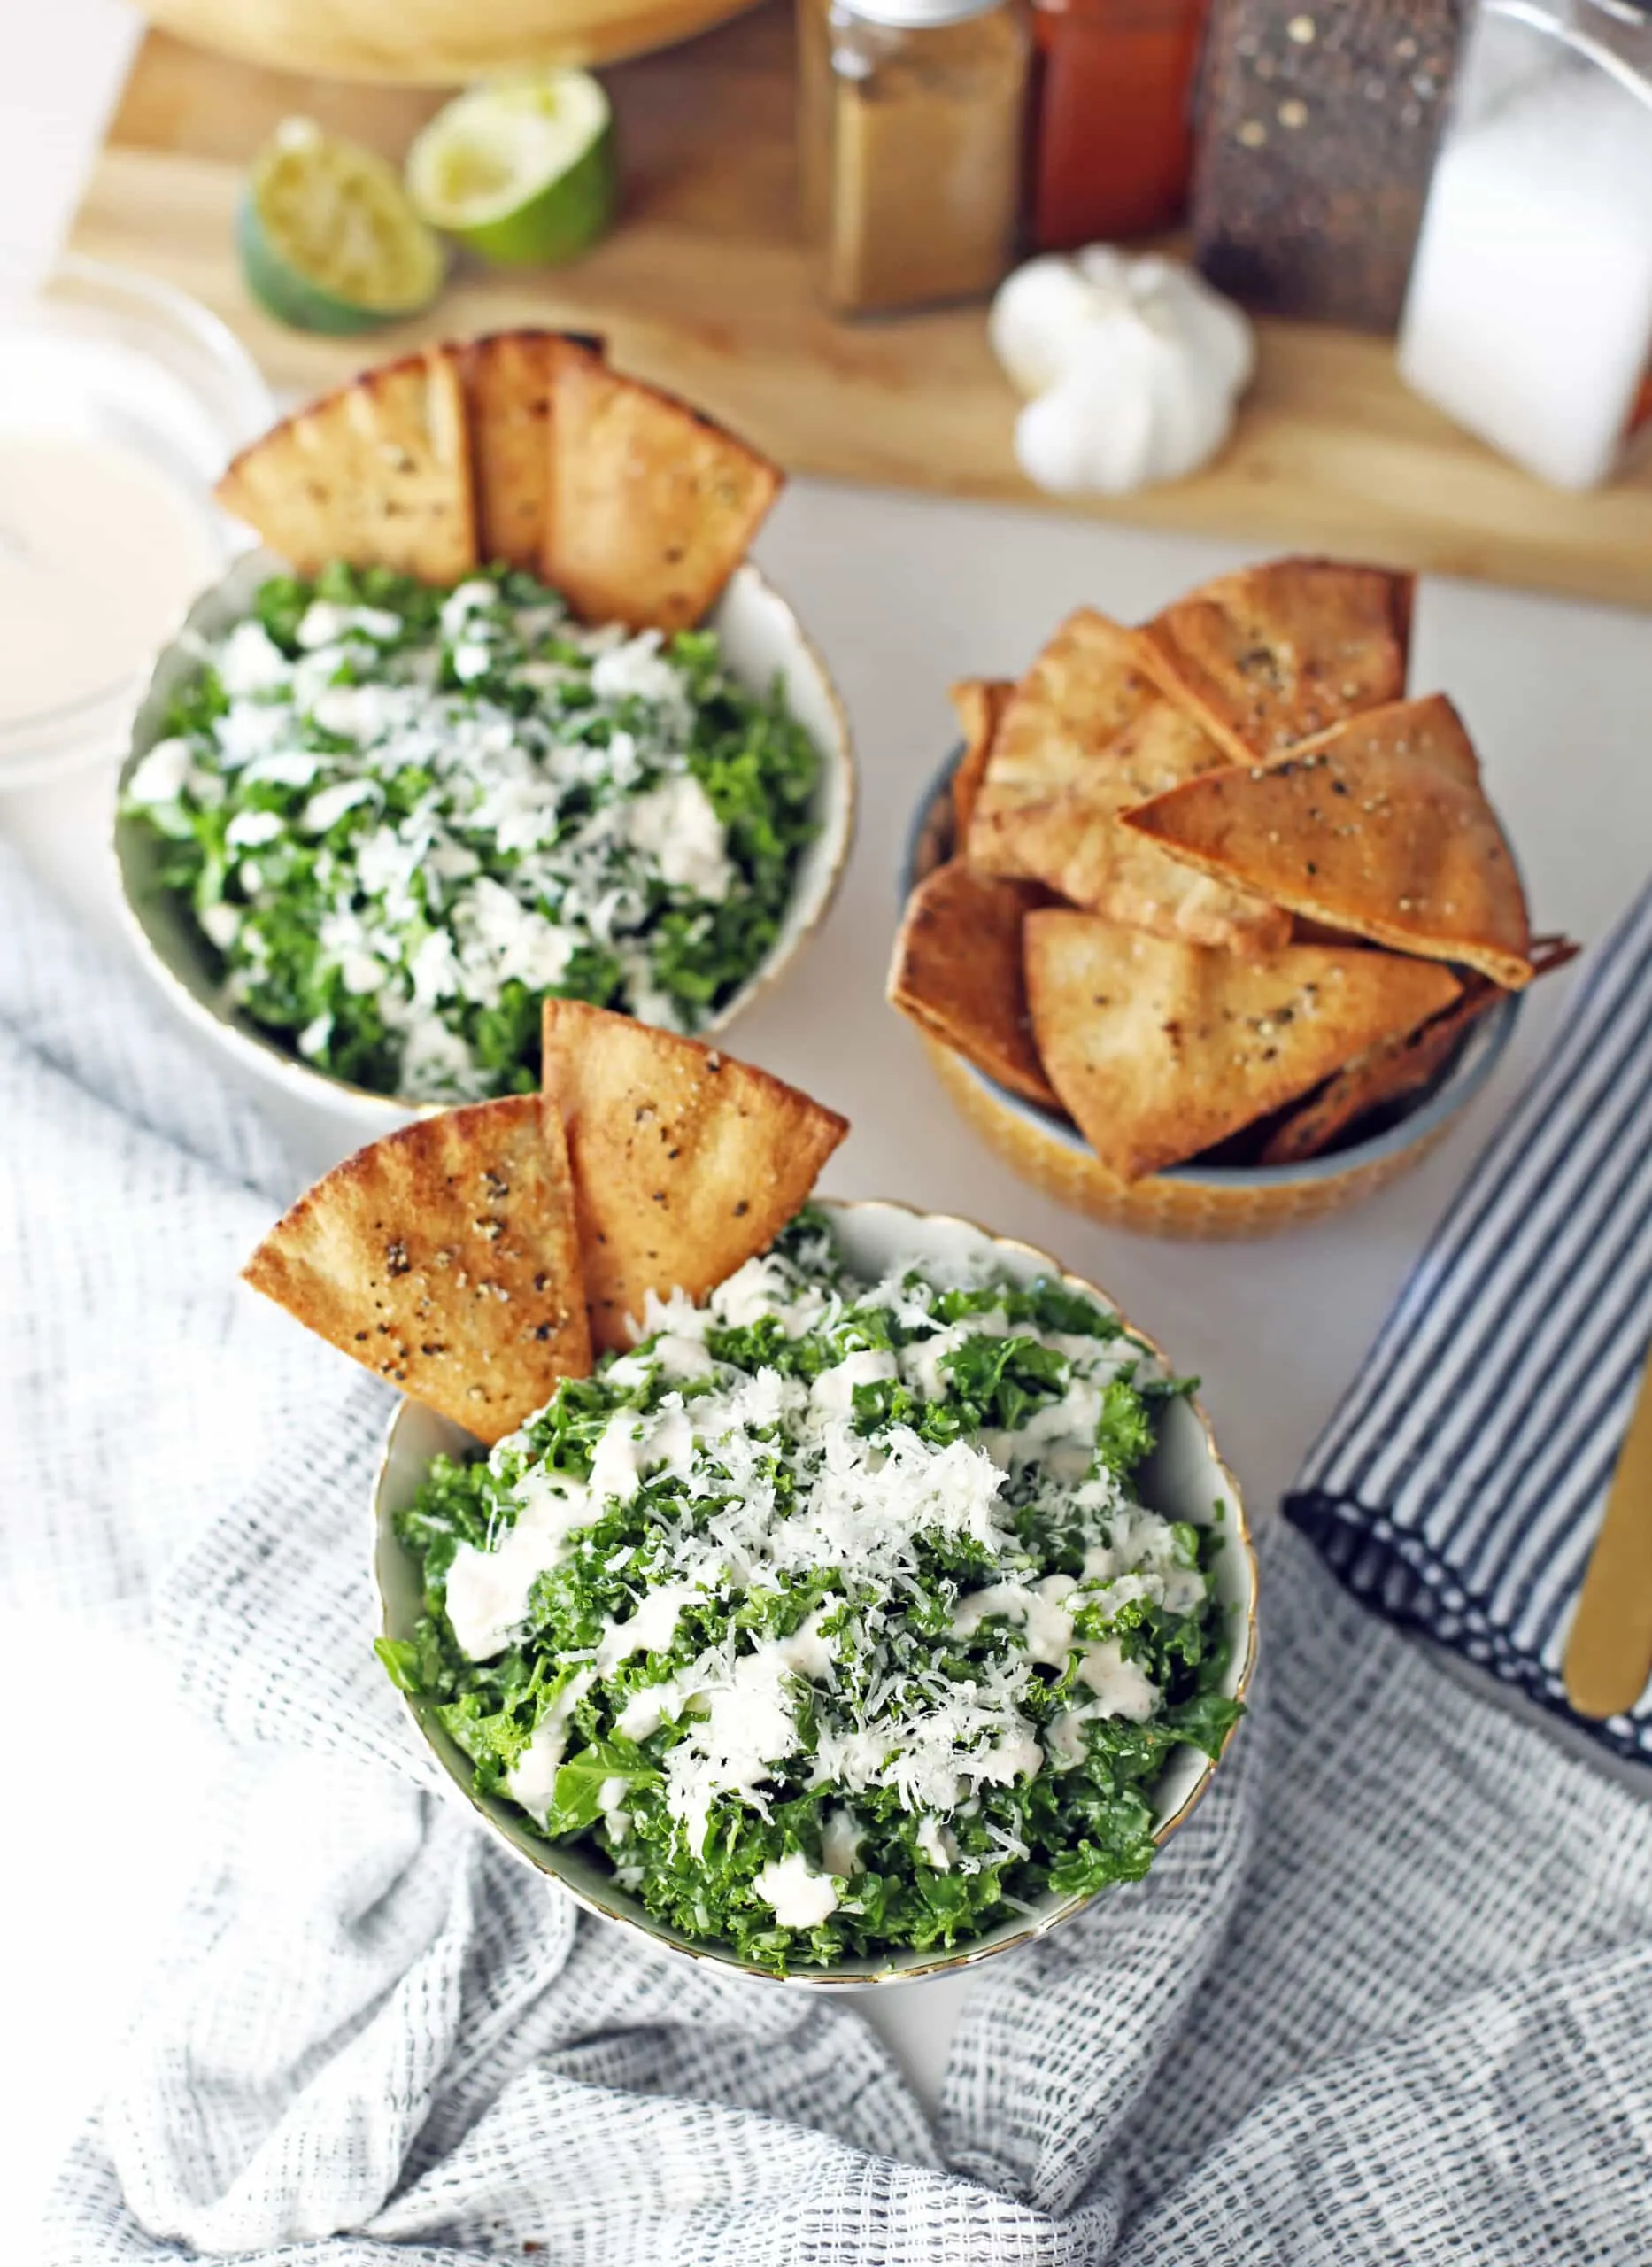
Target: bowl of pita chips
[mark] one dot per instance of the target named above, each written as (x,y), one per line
(723,1567)
(1209,927)
(500,711)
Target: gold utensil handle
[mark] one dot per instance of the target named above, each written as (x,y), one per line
(1608,1654)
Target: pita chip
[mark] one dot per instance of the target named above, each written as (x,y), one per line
(1082,852)
(980,703)
(1552,952)
(957,973)
(1305,930)
(1273,654)
(446,1258)
(1084,737)
(685,1163)
(377,474)
(1160,1049)
(1086,687)
(1396,1069)
(1383,1075)
(507,381)
(1379,827)
(651,505)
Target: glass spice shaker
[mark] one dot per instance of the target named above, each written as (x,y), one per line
(1529,313)
(1112,139)
(911,114)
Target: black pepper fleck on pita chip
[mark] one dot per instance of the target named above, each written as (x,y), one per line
(522,1322)
(736,1130)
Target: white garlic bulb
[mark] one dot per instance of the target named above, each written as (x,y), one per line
(1133,367)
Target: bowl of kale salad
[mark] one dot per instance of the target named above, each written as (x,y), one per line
(867,1617)
(368,824)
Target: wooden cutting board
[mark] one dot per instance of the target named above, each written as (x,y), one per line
(701,287)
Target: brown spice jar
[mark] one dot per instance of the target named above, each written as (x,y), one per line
(910,151)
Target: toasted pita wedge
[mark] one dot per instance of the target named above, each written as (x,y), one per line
(377,474)
(1552,952)
(445,1257)
(685,1163)
(1160,1049)
(1084,736)
(957,973)
(980,703)
(1306,931)
(1086,687)
(1379,827)
(1384,1074)
(1267,657)
(507,393)
(1080,850)
(1387,1073)
(651,506)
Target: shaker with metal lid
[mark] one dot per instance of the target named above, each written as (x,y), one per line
(1529,316)
(911,114)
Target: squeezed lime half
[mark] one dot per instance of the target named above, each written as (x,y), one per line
(522,171)
(329,238)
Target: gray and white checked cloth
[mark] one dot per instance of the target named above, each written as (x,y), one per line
(1387,1998)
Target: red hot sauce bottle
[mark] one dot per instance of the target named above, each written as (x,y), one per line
(1113,138)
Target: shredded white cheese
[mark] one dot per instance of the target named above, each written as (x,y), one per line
(857,1505)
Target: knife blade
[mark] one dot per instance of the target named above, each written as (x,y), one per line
(1609,1652)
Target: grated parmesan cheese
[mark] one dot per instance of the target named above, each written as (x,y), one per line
(462,788)
(834,1615)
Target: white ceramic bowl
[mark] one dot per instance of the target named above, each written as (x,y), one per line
(762,640)
(1185,1479)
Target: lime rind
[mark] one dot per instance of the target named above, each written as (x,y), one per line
(522,173)
(329,238)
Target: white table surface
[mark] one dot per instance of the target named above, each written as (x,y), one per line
(903,594)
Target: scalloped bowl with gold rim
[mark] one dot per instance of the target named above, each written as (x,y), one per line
(762,640)
(1184,1479)
(1196,1202)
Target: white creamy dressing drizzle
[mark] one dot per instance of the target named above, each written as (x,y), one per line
(1041,1612)
(676,826)
(580,876)
(801,1898)
(488,1590)
(1120,1688)
(531,1779)
(840,1843)
(651,1630)
(865,1502)
(222,924)
(937,1842)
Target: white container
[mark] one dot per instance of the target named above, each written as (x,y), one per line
(1184,1479)
(1529,318)
(120,402)
(762,640)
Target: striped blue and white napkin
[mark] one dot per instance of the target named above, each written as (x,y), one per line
(1460,1486)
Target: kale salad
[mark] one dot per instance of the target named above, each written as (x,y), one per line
(402,816)
(829,1615)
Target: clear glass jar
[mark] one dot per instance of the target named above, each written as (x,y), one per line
(1529,315)
(120,401)
(911,118)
